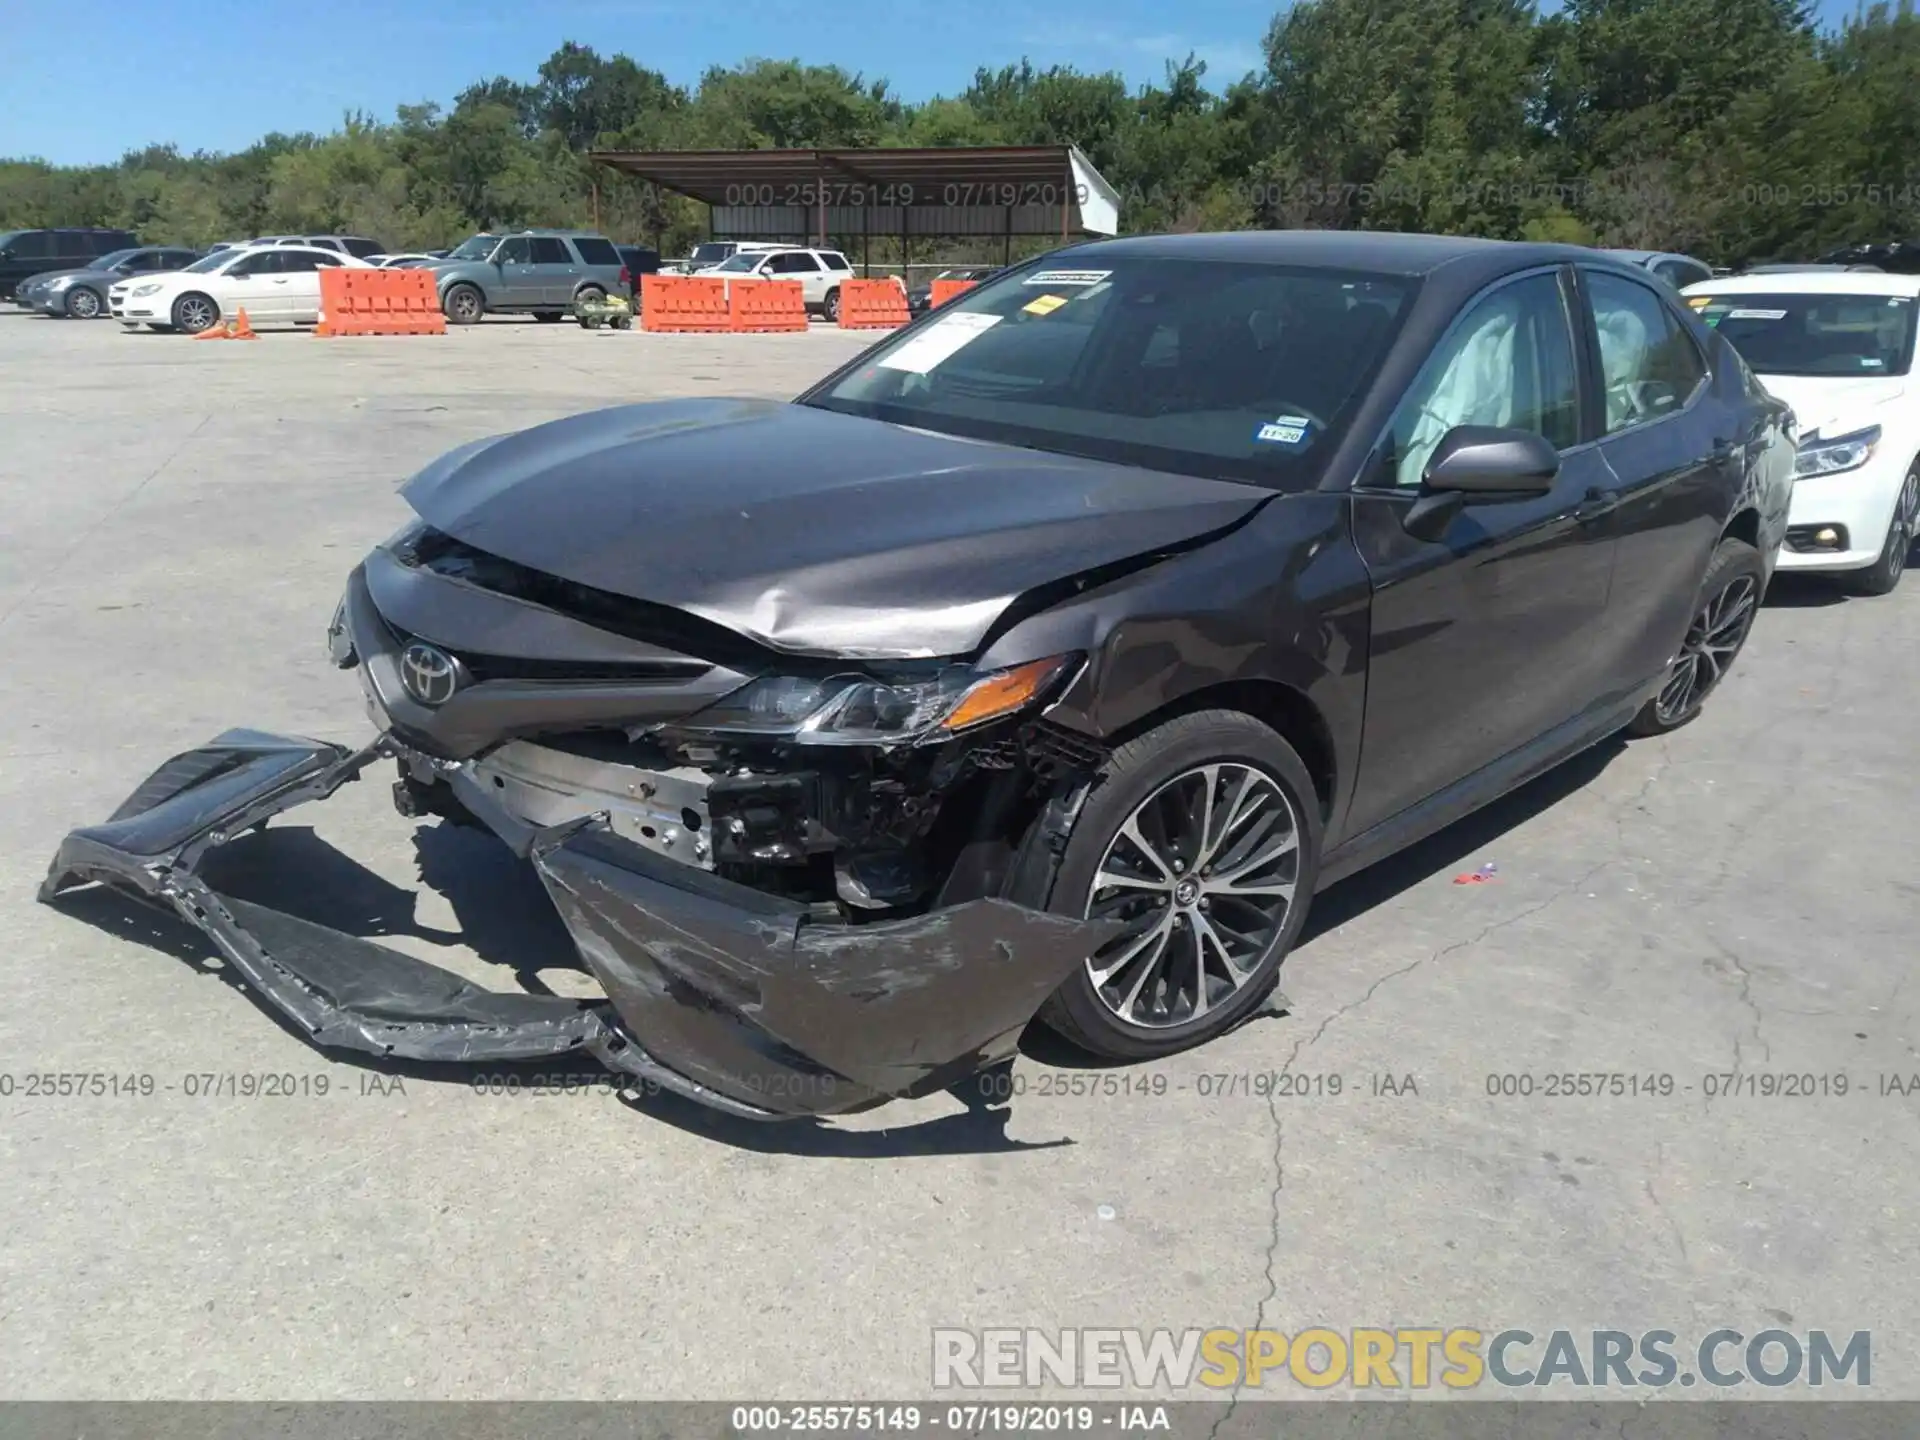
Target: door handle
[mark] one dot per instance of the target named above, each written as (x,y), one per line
(1597,504)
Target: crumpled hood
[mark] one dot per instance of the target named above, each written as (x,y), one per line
(1833,405)
(810,531)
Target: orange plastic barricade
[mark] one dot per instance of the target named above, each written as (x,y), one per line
(766,305)
(942,291)
(379,302)
(872,305)
(683,303)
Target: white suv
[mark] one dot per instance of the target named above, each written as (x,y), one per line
(1838,347)
(820,273)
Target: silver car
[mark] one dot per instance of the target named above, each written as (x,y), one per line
(543,273)
(82,294)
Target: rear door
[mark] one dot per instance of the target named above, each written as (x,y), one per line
(300,291)
(555,270)
(1673,452)
(1482,638)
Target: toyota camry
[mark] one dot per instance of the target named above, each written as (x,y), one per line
(1042,662)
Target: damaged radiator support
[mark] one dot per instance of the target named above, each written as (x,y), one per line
(734,998)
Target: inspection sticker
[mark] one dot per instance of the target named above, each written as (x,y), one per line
(1288,430)
(1067,277)
(941,340)
(1044,304)
(1756,315)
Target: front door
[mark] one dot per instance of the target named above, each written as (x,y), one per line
(799,265)
(257,285)
(519,285)
(1482,637)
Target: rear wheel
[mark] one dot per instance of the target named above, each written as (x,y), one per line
(464,304)
(1884,574)
(83,304)
(832,307)
(590,295)
(547,317)
(1202,837)
(194,312)
(1722,620)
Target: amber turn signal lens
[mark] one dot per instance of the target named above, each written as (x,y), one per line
(1002,693)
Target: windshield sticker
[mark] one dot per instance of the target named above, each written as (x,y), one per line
(941,340)
(1067,277)
(1044,304)
(1871,362)
(1756,314)
(1288,430)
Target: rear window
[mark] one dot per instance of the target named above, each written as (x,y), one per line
(1854,335)
(835,260)
(360,246)
(595,251)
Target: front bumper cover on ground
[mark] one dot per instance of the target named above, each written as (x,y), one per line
(718,992)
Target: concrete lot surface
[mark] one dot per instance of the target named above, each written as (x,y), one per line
(176,520)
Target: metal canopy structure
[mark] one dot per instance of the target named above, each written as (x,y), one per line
(810,195)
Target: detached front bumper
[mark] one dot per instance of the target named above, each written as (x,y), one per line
(736,999)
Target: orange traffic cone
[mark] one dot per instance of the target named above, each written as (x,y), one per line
(241,329)
(215,331)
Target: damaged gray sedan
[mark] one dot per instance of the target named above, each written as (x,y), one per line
(1024,667)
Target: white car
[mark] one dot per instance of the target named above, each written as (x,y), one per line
(274,284)
(820,273)
(1838,347)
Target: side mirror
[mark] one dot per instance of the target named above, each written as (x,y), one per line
(1479,464)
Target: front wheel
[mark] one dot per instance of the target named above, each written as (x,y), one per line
(195,312)
(83,304)
(464,304)
(1722,620)
(1884,574)
(1202,837)
(832,307)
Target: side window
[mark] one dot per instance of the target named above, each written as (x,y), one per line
(329,262)
(1508,361)
(32,245)
(516,251)
(794,262)
(836,261)
(550,250)
(262,262)
(595,251)
(1649,365)
(297,262)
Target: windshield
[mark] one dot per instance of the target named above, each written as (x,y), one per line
(478,247)
(1852,335)
(207,264)
(1243,372)
(710,254)
(113,258)
(744,261)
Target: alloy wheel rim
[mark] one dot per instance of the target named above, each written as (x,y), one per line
(196,315)
(463,304)
(1713,639)
(1203,873)
(1904,521)
(85,305)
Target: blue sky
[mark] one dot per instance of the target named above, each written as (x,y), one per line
(217,74)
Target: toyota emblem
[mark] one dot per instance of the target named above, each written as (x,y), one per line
(428,674)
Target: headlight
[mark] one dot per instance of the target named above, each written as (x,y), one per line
(62,283)
(140,290)
(860,710)
(1830,457)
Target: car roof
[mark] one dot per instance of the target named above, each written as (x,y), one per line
(1810,282)
(1382,251)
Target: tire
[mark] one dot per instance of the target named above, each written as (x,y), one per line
(589,295)
(1881,577)
(1156,775)
(194,312)
(463,304)
(831,309)
(1725,606)
(84,303)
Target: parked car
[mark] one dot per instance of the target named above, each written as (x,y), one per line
(358,246)
(920,297)
(82,293)
(274,284)
(1837,346)
(820,273)
(1047,657)
(544,273)
(1678,271)
(25,253)
(636,261)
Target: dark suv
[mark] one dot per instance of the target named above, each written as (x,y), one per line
(30,252)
